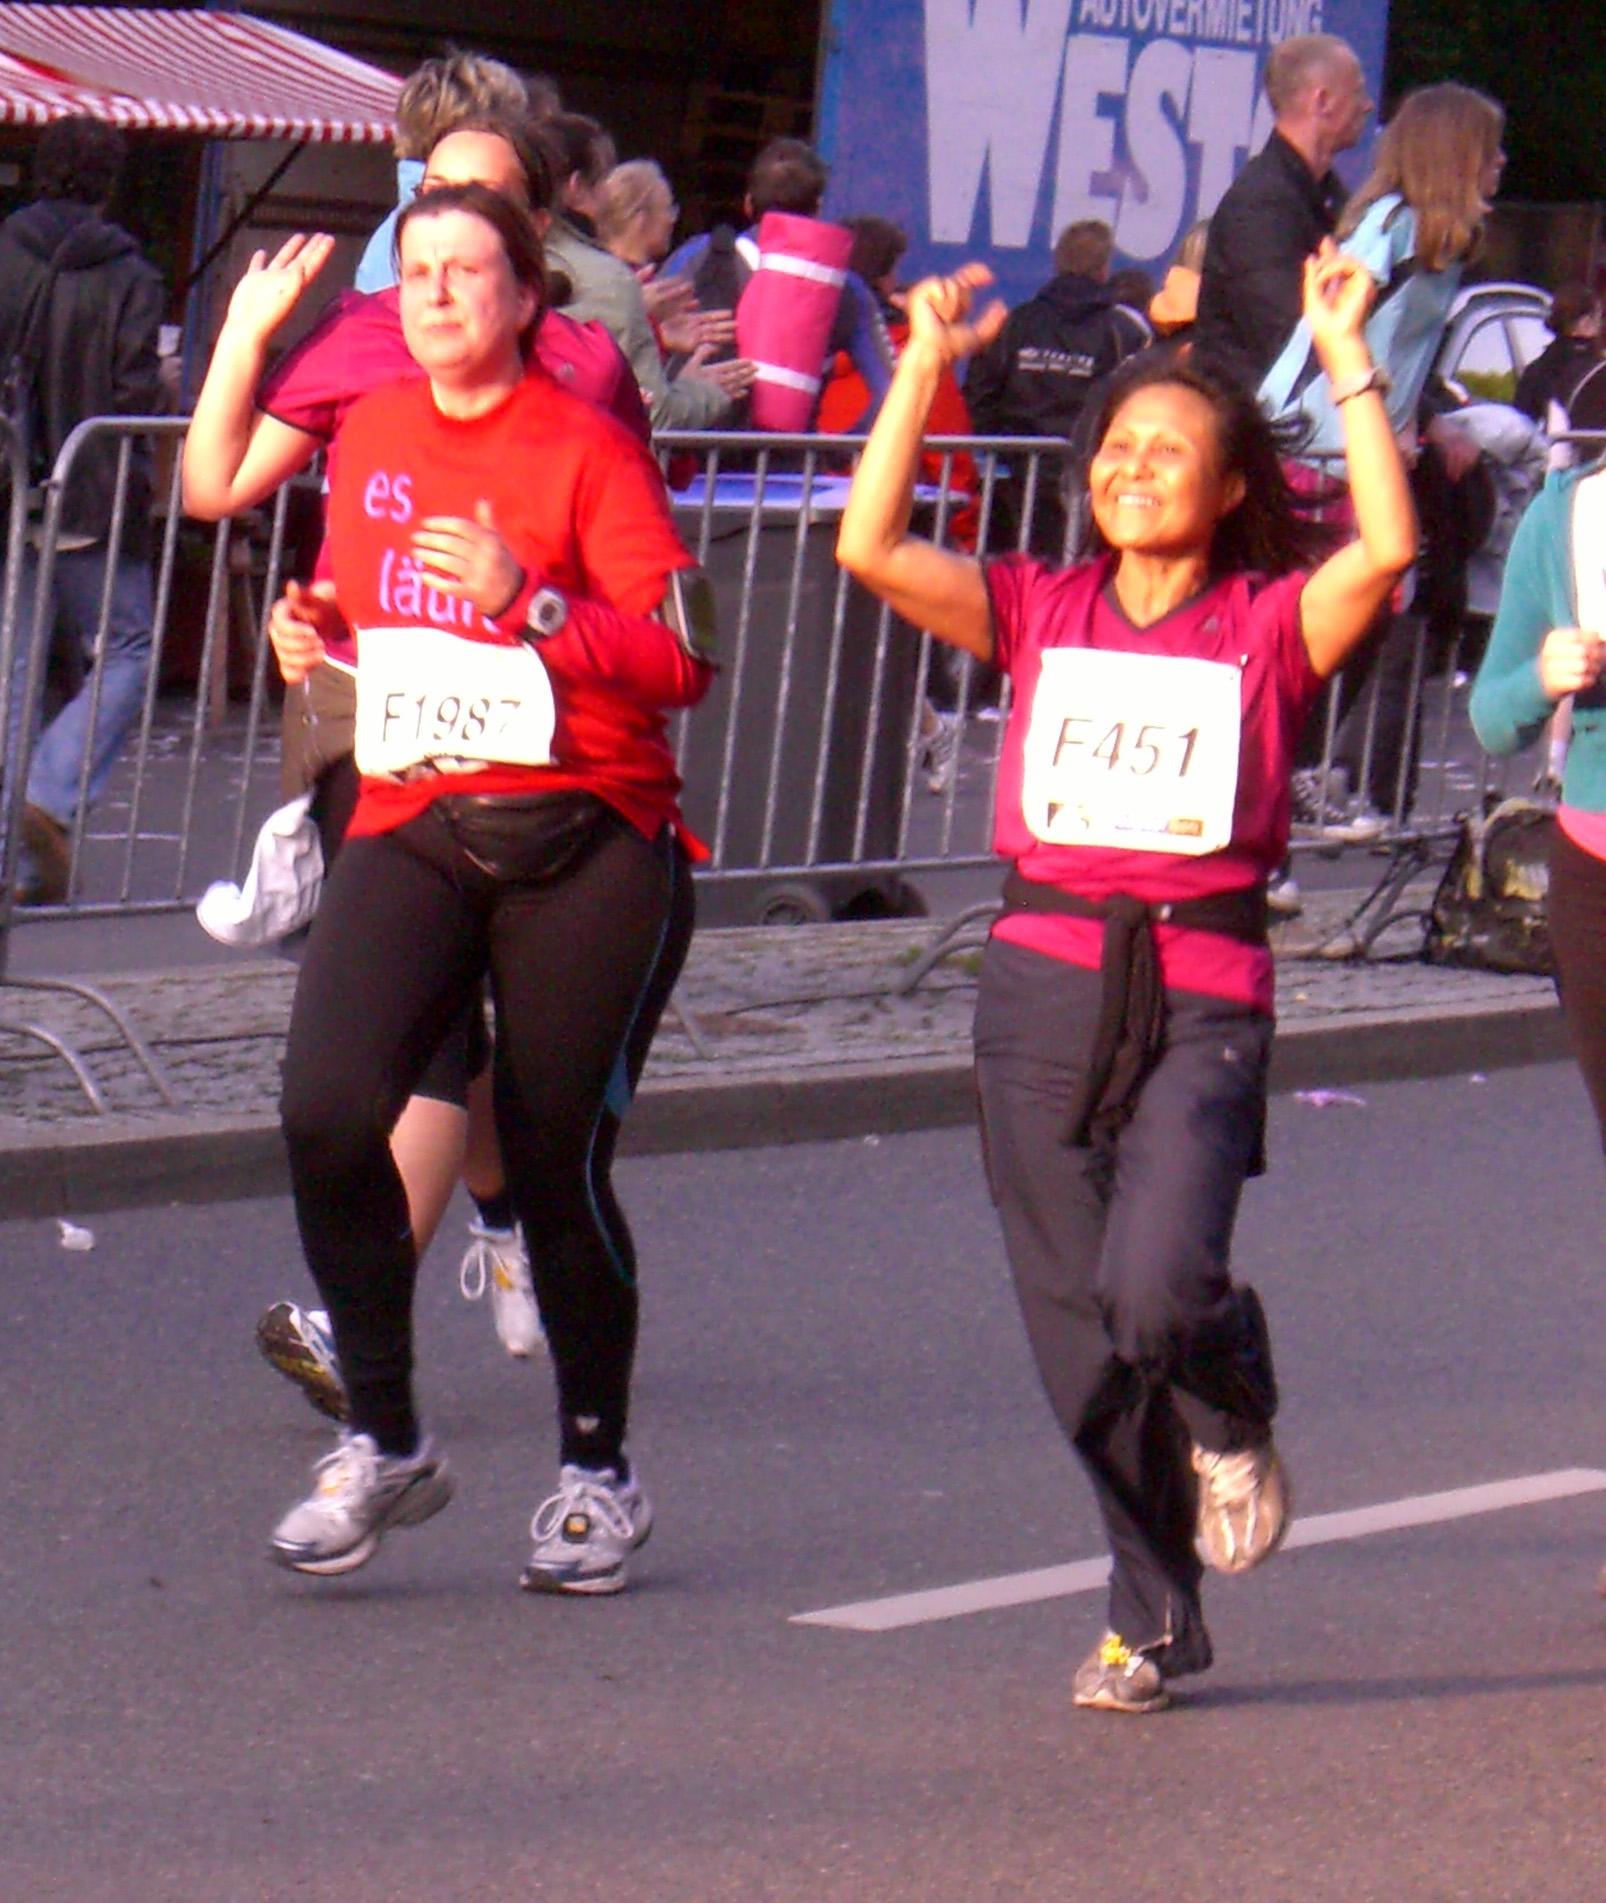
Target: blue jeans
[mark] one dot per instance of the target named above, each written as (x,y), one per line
(58,755)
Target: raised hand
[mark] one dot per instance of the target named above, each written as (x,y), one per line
(469,560)
(668,298)
(268,292)
(939,314)
(1339,294)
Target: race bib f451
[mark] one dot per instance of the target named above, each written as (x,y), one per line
(1133,751)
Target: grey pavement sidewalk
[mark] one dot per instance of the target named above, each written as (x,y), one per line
(775,1035)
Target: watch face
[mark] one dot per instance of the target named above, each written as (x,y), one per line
(548,612)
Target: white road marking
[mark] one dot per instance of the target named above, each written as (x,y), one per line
(1088,1575)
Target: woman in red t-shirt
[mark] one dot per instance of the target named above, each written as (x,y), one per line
(251,432)
(1123,1027)
(505,558)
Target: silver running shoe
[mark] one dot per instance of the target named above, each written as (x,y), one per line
(586,1531)
(298,1343)
(358,1495)
(1246,1506)
(496,1259)
(1115,1678)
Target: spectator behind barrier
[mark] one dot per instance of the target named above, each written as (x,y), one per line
(1034,379)
(603,288)
(788,176)
(440,96)
(636,213)
(1281,205)
(1546,389)
(80,309)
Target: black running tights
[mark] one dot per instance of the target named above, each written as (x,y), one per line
(581,967)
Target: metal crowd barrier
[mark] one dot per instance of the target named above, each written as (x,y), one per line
(820,772)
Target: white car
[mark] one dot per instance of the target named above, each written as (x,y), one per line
(1495,331)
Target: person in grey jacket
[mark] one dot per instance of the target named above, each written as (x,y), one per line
(603,288)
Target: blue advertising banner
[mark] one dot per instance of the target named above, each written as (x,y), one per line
(984,127)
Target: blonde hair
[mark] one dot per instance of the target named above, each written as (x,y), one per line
(626,193)
(442,93)
(1433,153)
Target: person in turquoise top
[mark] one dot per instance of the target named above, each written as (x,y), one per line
(443,94)
(1547,644)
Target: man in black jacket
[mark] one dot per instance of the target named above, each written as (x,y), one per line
(1279,207)
(1035,377)
(79,313)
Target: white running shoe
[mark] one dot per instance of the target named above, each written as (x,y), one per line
(586,1531)
(939,754)
(498,1260)
(358,1495)
(297,1342)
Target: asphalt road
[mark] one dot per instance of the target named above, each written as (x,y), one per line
(834,1404)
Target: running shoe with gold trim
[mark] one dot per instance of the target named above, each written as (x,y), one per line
(298,1343)
(496,1259)
(358,1495)
(586,1531)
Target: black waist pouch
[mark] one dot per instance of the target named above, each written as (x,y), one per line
(525,838)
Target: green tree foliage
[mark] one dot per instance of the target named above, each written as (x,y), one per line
(1544,60)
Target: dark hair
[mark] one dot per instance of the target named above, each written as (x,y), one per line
(80,160)
(788,175)
(512,224)
(1570,306)
(1269,532)
(530,145)
(1131,286)
(878,244)
(579,145)
(1084,248)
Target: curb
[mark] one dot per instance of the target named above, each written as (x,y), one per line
(132,1162)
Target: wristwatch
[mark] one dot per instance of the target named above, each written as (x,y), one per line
(1377,378)
(548,614)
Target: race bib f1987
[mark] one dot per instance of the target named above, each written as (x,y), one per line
(1133,751)
(424,695)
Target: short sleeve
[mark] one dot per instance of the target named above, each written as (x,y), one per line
(1013,584)
(1275,611)
(354,346)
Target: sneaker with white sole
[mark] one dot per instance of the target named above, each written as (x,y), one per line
(586,1531)
(1115,1678)
(358,1495)
(496,1259)
(1246,1506)
(939,754)
(298,1343)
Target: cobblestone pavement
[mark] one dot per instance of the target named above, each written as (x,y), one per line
(753,1004)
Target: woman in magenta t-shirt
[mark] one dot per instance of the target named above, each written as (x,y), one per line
(1124,1022)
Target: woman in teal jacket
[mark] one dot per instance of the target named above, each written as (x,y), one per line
(1548,643)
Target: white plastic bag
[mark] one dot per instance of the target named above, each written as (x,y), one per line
(281,887)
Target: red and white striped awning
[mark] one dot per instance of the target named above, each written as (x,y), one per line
(222,74)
